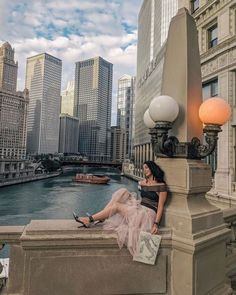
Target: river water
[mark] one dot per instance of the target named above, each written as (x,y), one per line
(57,198)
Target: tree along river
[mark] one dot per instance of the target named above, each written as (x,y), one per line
(58,197)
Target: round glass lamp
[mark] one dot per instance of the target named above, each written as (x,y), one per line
(147,120)
(163,108)
(215,111)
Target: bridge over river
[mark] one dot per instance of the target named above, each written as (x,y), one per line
(92,163)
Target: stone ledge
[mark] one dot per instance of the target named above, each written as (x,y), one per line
(11,234)
(229,215)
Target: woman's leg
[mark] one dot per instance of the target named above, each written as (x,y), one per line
(108,211)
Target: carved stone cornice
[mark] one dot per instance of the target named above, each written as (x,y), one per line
(220,62)
(209,9)
(227,45)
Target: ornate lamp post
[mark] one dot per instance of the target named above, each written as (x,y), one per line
(162,112)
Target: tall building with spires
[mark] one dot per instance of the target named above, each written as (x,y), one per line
(8,68)
(93,97)
(43,80)
(13,116)
(13,108)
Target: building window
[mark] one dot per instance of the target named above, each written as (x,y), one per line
(210,89)
(194,5)
(212,36)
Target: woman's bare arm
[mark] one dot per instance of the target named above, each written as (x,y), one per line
(161,203)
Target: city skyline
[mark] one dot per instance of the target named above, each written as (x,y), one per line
(72,31)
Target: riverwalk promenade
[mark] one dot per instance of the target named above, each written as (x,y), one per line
(20,180)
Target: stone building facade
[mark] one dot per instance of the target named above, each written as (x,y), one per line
(8,68)
(216,24)
(13,116)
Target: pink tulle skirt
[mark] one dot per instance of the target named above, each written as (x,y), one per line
(128,217)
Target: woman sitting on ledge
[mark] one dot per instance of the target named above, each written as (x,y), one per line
(127,215)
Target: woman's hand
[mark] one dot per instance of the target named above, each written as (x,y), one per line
(155,229)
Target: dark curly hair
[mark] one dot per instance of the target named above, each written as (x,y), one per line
(156,171)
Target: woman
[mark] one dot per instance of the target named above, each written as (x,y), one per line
(127,215)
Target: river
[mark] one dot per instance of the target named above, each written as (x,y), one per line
(57,198)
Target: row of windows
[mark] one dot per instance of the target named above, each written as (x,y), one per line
(212,31)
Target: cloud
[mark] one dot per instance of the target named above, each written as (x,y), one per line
(72,30)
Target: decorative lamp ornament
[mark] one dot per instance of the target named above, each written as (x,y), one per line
(215,111)
(148,120)
(163,108)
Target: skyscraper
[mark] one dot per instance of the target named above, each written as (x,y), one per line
(67,99)
(43,80)
(118,144)
(68,135)
(153,23)
(93,96)
(13,108)
(8,68)
(125,104)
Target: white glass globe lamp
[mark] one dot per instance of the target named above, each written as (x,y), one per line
(163,108)
(148,120)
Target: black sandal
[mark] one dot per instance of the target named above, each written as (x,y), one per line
(92,221)
(76,217)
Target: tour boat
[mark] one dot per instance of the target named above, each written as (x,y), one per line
(91,178)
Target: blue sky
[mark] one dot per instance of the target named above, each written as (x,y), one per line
(72,30)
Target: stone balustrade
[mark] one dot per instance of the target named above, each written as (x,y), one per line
(57,257)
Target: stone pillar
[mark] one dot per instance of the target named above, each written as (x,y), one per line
(182,75)
(198,231)
(224,173)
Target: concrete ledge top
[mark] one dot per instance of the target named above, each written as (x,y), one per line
(64,233)
(10,234)
(229,214)
(64,226)
(71,228)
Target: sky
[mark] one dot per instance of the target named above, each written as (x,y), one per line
(72,30)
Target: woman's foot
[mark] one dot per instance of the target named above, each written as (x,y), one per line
(83,220)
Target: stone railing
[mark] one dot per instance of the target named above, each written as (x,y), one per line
(56,257)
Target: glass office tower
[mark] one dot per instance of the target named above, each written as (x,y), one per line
(93,97)
(43,80)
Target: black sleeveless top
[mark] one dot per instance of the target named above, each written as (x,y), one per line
(150,195)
